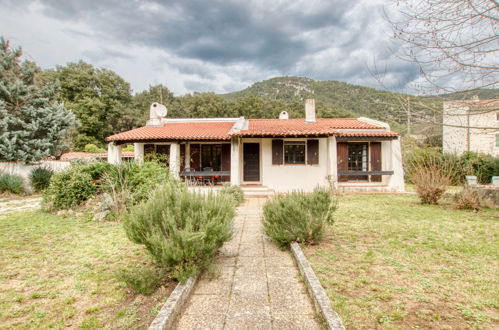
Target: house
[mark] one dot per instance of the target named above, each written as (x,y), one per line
(282,154)
(471,125)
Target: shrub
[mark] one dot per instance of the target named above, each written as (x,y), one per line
(69,188)
(235,192)
(143,280)
(93,149)
(468,199)
(40,178)
(11,183)
(299,217)
(431,182)
(130,183)
(181,230)
(97,170)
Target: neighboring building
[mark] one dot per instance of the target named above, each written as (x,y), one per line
(282,154)
(471,125)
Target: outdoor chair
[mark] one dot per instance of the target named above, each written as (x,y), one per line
(471,180)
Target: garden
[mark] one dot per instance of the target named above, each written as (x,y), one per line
(74,263)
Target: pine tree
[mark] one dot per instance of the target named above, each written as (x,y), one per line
(32,125)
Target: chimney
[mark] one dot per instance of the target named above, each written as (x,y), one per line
(283,115)
(475,98)
(310,110)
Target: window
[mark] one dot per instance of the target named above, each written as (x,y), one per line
(294,152)
(211,156)
(357,157)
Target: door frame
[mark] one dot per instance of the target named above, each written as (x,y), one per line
(259,163)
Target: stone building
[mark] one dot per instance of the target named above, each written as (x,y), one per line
(471,125)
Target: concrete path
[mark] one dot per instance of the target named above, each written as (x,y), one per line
(8,205)
(259,286)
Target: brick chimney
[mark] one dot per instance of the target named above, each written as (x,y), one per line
(310,110)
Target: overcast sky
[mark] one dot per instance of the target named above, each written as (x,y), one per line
(220,46)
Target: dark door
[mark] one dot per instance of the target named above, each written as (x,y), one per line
(342,157)
(376,160)
(251,162)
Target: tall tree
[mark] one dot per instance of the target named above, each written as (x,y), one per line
(32,125)
(98,97)
(454,42)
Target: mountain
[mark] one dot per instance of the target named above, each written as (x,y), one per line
(400,110)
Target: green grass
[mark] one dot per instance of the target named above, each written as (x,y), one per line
(58,272)
(390,262)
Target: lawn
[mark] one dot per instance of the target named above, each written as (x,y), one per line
(390,262)
(61,272)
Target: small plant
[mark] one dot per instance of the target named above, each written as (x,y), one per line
(235,192)
(11,183)
(299,217)
(468,199)
(40,178)
(181,230)
(143,280)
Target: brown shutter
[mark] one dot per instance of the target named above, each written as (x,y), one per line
(313,152)
(342,155)
(376,160)
(196,157)
(277,150)
(225,160)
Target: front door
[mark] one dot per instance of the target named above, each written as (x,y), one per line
(251,162)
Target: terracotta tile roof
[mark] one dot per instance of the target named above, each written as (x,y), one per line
(77,154)
(177,131)
(367,134)
(298,127)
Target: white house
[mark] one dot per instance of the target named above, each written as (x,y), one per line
(471,125)
(282,154)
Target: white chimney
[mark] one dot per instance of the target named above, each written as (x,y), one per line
(283,115)
(310,110)
(157,112)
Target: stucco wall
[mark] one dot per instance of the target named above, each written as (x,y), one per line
(284,178)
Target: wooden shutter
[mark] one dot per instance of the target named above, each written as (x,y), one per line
(376,160)
(277,152)
(312,152)
(342,156)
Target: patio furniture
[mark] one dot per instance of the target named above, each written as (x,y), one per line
(205,177)
(471,180)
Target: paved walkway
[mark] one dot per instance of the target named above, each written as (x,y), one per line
(259,286)
(14,204)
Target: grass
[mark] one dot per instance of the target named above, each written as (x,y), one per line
(390,262)
(58,272)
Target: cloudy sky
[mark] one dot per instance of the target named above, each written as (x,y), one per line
(219,45)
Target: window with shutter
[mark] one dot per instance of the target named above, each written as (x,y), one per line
(313,152)
(277,155)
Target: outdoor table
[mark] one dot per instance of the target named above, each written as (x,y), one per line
(211,175)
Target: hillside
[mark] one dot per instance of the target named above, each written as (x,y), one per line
(356,100)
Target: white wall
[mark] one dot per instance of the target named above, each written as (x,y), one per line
(285,178)
(24,170)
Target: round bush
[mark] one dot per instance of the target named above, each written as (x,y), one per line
(69,188)
(40,178)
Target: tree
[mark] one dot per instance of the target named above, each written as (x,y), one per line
(98,97)
(32,125)
(138,112)
(452,41)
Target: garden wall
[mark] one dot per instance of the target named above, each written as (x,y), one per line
(16,168)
